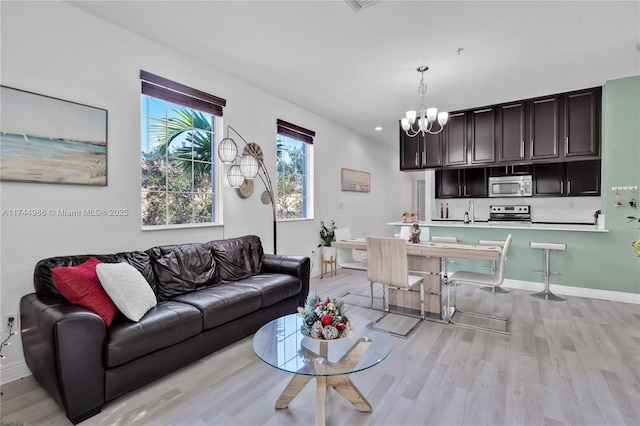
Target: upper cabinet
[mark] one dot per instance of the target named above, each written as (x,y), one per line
(468,182)
(582,123)
(483,135)
(510,134)
(455,139)
(572,179)
(561,127)
(544,118)
(420,152)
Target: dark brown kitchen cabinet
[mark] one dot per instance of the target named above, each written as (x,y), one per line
(510,133)
(544,119)
(548,180)
(474,182)
(448,183)
(410,151)
(581,123)
(420,152)
(582,178)
(432,150)
(462,183)
(573,179)
(483,146)
(455,139)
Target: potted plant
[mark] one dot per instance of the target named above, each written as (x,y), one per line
(327,235)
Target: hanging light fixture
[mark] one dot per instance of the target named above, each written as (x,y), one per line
(425,117)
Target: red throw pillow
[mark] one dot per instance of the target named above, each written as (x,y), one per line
(80,285)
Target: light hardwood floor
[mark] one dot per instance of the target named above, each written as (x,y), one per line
(565,363)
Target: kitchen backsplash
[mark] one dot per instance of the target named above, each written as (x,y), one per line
(573,209)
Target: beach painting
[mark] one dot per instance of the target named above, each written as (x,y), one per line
(356,181)
(50,140)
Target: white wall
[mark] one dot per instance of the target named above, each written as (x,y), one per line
(54,49)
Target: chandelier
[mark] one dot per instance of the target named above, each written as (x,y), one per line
(426,116)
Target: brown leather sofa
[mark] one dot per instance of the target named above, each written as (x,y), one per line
(83,364)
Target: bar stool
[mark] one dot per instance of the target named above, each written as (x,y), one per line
(546,294)
(492,288)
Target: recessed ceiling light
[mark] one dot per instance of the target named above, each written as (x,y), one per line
(377,129)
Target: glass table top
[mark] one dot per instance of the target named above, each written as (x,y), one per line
(281,345)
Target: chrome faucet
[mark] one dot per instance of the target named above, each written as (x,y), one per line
(472,212)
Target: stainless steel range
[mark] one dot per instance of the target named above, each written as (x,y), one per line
(510,213)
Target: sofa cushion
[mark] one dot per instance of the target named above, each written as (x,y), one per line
(238,258)
(43,283)
(80,285)
(273,288)
(223,303)
(164,325)
(127,288)
(183,268)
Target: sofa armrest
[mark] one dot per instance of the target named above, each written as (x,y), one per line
(298,266)
(63,346)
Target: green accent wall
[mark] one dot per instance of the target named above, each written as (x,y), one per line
(592,260)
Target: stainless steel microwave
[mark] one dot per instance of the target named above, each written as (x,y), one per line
(511,186)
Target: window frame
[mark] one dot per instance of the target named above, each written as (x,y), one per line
(304,136)
(175,93)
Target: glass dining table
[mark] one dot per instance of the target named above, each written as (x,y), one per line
(281,345)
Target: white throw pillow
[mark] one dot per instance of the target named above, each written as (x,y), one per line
(128,289)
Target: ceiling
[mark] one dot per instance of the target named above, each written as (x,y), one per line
(359,68)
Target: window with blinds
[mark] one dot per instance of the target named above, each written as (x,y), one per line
(295,171)
(179,129)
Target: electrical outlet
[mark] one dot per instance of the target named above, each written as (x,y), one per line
(6,319)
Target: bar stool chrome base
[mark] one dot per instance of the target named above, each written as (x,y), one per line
(546,293)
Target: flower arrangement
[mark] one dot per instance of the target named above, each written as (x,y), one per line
(324,319)
(327,233)
(409,217)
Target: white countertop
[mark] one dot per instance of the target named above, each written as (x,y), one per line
(502,225)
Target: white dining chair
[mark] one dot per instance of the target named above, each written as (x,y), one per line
(480,279)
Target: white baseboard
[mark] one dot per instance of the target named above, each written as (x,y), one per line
(13,371)
(614,296)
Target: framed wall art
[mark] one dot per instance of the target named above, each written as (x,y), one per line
(356,181)
(50,140)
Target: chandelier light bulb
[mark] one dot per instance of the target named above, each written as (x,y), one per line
(443,117)
(411,117)
(432,113)
(405,124)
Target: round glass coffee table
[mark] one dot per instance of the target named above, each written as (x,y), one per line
(281,345)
